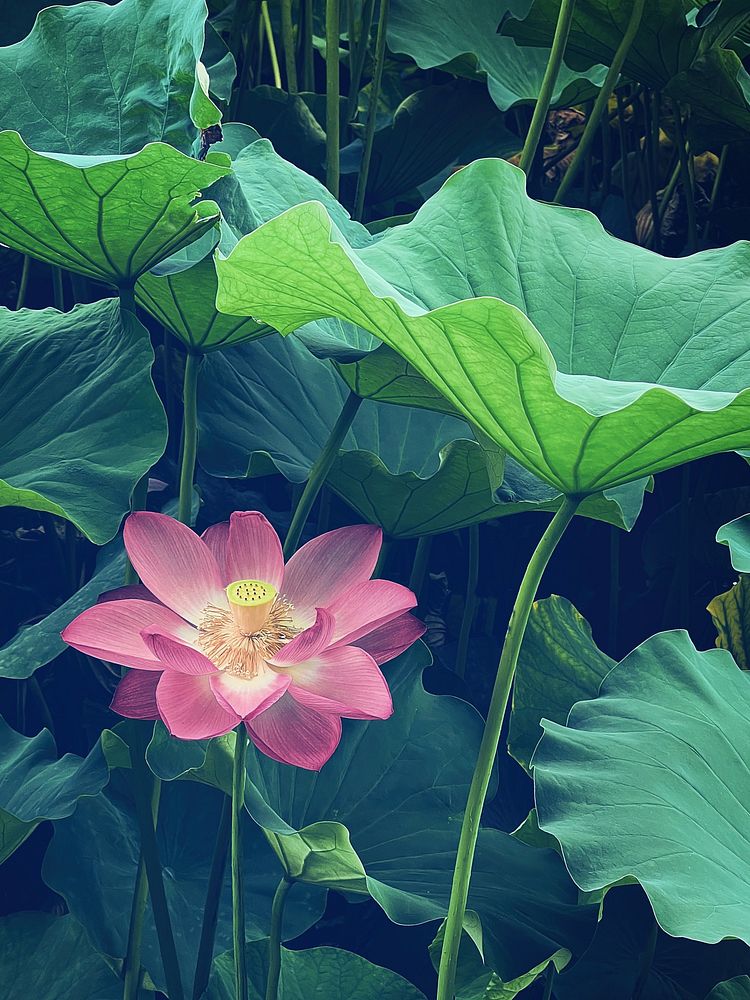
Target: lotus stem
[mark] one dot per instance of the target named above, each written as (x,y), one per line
(420,564)
(471,601)
(274,940)
(602,100)
(357,53)
(137,502)
(372,110)
(714,193)
(686,180)
(551,73)
(133,974)
(287,38)
(238,889)
(333,20)
(58,293)
(308,52)
(189,439)
(271,44)
(319,472)
(213,898)
(549,982)
(490,739)
(24,282)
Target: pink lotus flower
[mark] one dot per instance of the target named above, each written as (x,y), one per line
(220,632)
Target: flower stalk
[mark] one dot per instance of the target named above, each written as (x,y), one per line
(274,941)
(238,897)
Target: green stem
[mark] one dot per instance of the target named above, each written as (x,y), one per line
(127,298)
(271,44)
(602,99)
(372,110)
(238,897)
(190,438)
(420,564)
(58,294)
(549,982)
(287,38)
(541,110)
(651,175)
(143,791)
(132,965)
(488,748)
(213,898)
(383,557)
(624,163)
(357,56)
(686,180)
(137,502)
(24,282)
(308,52)
(319,472)
(333,20)
(471,601)
(274,941)
(714,193)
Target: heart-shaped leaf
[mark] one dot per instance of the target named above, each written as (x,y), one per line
(607,400)
(74,439)
(94,79)
(462,36)
(650,780)
(107,217)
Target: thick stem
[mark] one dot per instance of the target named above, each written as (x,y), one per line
(143,791)
(420,564)
(24,282)
(126,294)
(308,52)
(267,27)
(319,472)
(333,18)
(213,898)
(132,972)
(358,52)
(274,941)
(189,438)
(471,601)
(541,110)
(602,99)
(238,889)
(372,110)
(490,739)
(287,38)
(58,294)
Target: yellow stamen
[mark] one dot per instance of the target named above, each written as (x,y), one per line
(229,647)
(250,602)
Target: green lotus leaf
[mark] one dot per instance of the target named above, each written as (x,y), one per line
(462,36)
(93,79)
(606,400)
(107,217)
(74,439)
(733,989)
(559,664)
(736,535)
(398,787)
(313,972)
(650,780)
(35,785)
(181,291)
(51,958)
(623,958)
(730,613)
(92,863)
(717,88)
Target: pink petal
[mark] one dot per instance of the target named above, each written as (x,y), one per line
(367,606)
(189,709)
(391,639)
(293,734)
(346,681)
(133,591)
(308,643)
(135,696)
(216,538)
(329,565)
(174,563)
(248,698)
(112,631)
(254,550)
(176,655)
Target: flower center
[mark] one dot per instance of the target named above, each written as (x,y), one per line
(254,629)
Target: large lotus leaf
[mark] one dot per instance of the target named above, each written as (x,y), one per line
(730,613)
(398,787)
(35,785)
(92,79)
(733,989)
(93,858)
(736,534)
(181,292)
(559,664)
(623,961)
(80,421)
(650,780)
(440,32)
(314,972)
(106,217)
(51,958)
(717,89)
(646,358)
